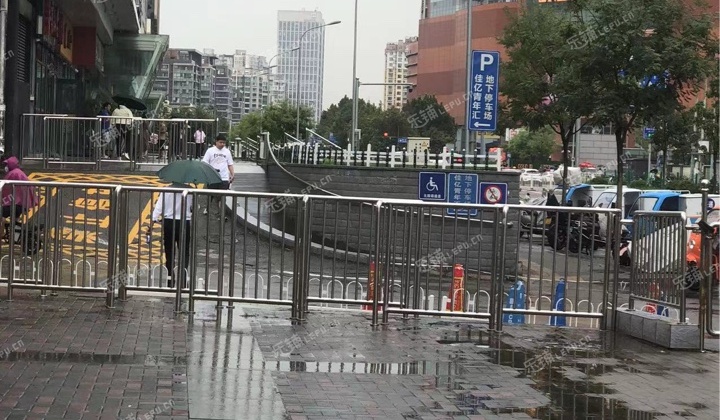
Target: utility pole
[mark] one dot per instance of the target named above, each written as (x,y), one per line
(468,77)
(353,134)
(3,56)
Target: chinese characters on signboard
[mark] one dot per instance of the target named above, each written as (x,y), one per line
(482,112)
(57,29)
(483,103)
(463,189)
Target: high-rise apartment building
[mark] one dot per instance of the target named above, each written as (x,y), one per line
(291,27)
(207,79)
(180,77)
(223,90)
(232,85)
(396,71)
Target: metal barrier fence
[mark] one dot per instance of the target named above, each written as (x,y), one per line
(390,157)
(99,142)
(58,237)
(400,257)
(658,260)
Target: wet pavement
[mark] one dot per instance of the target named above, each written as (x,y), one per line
(70,357)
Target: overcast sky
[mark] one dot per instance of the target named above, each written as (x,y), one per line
(251,25)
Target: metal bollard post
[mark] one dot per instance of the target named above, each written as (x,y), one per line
(705,264)
(376,295)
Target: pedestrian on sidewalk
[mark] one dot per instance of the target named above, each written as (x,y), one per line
(105,133)
(199,143)
(123,126)
(15,199)
(220,158)
(169,211)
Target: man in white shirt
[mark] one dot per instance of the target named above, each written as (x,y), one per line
(220,158)
(169,209)
(199,142)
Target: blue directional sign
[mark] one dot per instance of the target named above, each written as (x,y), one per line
(462,189)
(648,133)
(482,104)
(515,300)
(402,140)
(493,193)
(432,186)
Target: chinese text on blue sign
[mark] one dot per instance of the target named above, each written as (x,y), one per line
(463,189)
(648,133)
(431,186)
(482,111)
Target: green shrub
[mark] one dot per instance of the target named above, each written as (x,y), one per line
(599,180)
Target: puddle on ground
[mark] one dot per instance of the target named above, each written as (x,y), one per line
(565,377)
(96,358)
(425,368)
(469,336)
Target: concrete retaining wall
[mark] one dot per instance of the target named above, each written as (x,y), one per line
(422,237)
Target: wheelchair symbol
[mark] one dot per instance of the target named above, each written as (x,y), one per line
(431,186)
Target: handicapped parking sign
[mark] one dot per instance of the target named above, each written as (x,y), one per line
(432,186)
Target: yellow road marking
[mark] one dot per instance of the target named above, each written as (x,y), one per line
(87,211)
(135,232)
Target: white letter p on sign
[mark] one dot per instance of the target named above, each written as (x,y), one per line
(485,60)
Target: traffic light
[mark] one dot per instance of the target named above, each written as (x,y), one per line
(385,135)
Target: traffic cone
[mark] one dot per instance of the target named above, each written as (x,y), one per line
(371,287)
(458,284)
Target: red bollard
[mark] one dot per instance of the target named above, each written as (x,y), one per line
(655,294)
(371,287)
(458,284)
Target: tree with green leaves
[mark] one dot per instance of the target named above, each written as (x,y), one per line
(192,113)
(391,121)
(337,119)
(645,60)
(277,119)
(674,133)
(428,118)
(533,147)
(543,80)
(250,126)
(705,117)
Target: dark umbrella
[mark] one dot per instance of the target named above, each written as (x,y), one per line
(190,172)
(132,103)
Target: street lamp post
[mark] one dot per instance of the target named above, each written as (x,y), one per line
(357,91)
(299,69)
(353,134)
(270,66)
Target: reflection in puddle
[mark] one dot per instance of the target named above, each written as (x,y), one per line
(566,380)
(430,368)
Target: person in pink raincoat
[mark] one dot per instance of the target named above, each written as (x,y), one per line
(18,198)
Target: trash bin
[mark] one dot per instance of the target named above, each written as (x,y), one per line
(243,155)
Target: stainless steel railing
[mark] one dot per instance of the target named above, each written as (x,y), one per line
(498,264)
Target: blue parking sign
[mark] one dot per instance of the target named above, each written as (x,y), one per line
(482,103)
(462,188)
(431,186)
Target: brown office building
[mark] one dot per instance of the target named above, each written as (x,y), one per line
(438,65)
